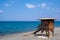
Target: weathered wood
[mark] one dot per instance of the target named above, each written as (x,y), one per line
(46,25)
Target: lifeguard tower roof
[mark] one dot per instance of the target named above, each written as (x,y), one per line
(46,19)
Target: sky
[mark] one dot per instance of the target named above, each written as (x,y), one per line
(29,10)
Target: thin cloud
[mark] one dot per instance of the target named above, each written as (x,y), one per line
(6,4)
(43,5)
(30,5)
(1,11)
(34,6)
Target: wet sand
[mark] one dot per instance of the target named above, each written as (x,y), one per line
(28,36)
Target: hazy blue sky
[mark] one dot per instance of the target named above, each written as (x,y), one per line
(28,10)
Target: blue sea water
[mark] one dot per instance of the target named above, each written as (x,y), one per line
(20,26)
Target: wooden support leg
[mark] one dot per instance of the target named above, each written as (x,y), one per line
(52,32)
(36,31)
(42,31)
(48,34)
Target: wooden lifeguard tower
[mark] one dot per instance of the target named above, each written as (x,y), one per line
(47,25)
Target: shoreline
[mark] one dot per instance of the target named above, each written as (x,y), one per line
(22,36)
(24,31)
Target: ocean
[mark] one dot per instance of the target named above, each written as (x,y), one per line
(8,27)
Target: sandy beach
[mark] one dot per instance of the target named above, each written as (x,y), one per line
(27,36)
